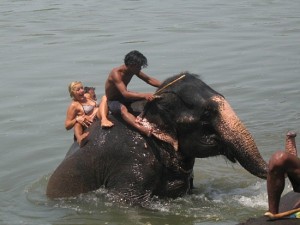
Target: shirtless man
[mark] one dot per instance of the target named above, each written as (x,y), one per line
(283,163)
(116,87)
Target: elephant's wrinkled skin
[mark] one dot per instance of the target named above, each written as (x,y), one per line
(192,121)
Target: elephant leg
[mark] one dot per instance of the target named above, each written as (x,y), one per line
(71,178)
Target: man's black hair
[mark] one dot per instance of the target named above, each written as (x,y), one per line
(135,58)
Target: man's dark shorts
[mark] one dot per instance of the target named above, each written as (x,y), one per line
(115,106)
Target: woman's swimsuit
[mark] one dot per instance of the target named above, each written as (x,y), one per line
(88,108)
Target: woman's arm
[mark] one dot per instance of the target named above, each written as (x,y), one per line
(72,116)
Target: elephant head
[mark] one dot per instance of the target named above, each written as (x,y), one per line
(199,122)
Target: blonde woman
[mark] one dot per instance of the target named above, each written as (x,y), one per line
(82,112)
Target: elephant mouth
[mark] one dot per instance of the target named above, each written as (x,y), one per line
(208,140)
(208,136)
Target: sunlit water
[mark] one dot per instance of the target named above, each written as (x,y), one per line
(247,50)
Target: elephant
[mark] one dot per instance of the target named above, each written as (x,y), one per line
(188,120)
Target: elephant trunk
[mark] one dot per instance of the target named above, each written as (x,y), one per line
(236,134)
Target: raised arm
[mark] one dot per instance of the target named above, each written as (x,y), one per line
(149,80)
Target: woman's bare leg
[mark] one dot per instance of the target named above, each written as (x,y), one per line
(80,135)
(103,112)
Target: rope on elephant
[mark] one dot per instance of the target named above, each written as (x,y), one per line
(169,84)
(293,214)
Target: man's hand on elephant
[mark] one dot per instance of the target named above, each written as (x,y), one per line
(149,97)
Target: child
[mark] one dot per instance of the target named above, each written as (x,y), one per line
(89,92)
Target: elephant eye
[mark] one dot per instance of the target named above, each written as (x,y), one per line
(206,114)
(205,118)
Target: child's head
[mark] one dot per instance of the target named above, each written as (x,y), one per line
(91,92)
(73,86)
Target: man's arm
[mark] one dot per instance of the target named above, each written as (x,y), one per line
(149,80)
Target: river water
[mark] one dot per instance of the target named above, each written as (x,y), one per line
(248,50)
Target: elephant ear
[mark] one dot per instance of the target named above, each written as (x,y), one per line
(166,137)
(159,133)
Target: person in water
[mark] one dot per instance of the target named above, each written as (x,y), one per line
(116,88)
(81,112)
(283,163)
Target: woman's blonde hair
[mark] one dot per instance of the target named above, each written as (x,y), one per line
(72,86)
